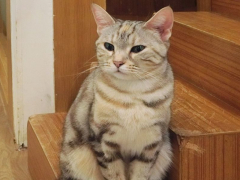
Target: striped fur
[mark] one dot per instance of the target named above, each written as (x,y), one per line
(117,127)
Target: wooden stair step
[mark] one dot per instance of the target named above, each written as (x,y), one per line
(196,113)
(201,125)
(205,50)
(205,136)
(44,142)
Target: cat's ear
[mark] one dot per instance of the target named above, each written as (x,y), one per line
(102,18)
(162,22)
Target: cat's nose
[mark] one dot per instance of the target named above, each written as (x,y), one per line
(118,63)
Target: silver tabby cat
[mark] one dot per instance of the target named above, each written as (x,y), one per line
(117,127)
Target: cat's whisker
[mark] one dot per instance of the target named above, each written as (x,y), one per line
(142,79)
(89,69)
(136,74)
(90,59)
(146,74)
(79,74)
(149,74)
(152,76)
(98,64)
(84,67)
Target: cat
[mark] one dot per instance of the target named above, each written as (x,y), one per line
(117,127)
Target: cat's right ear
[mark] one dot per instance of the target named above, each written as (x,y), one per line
(162,22)
(102,18)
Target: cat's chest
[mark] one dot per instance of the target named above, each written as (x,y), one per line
(129,111)
(130,124)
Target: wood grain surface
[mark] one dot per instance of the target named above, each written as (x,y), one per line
(3,28)
(142,10)
(1,22)
(206,53)
(229,8)
(133,8)
(212,157)
(205,135)
(74,47)
(4,67)
(44,141)
(13,163)
(9,65)
(195,112)
(204,5)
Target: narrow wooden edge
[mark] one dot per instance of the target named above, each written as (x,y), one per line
(9,59)
(182,134)
(38,164)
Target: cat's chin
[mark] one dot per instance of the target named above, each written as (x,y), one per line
(123,76)
(119,74)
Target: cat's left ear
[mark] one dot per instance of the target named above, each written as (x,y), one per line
(162,22)
(102,18)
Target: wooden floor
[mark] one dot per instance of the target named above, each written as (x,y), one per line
(13,163)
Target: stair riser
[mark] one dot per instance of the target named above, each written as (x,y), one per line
(213,157)
(209,62)
(38,163)
(227,7)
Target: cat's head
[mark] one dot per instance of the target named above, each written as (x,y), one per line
(132,49)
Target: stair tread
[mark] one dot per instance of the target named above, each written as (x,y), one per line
(211,23)
(195,112)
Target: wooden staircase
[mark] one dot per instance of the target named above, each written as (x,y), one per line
(205,51)
(205,126)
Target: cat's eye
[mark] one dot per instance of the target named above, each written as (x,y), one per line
(137,49)
(109,46)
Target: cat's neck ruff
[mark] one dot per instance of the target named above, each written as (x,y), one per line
(135,85)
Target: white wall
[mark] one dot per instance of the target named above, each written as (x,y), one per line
(32,61)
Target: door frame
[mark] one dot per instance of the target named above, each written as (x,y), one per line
(32,63)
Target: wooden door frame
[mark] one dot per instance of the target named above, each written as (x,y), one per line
(6,44)
(9,57)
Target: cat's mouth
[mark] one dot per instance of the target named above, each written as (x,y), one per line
(119,71)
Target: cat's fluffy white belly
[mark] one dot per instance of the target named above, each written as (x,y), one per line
(133,141)
(136,129)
